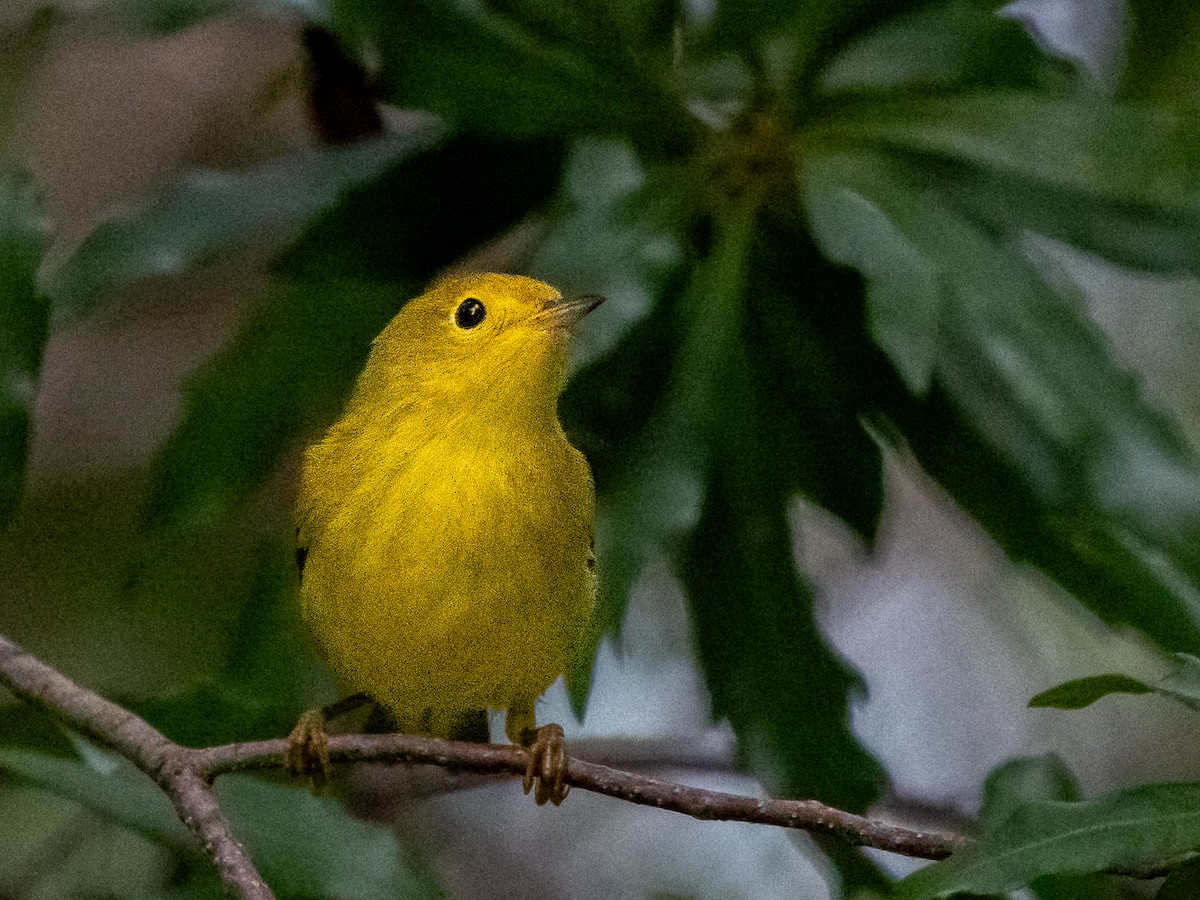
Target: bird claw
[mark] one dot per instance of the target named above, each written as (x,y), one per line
(307,753)
(547,765)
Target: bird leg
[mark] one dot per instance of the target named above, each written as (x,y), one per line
(307,753)
(546,763)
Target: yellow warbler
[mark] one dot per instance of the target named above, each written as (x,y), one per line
(445,521)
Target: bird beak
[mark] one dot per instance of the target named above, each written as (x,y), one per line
(564,312)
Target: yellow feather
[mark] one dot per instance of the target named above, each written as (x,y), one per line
(447,519)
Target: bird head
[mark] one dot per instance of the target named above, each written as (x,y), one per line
(499,339)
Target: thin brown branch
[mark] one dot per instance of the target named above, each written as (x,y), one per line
(700,753)
(807,815)
(186,776)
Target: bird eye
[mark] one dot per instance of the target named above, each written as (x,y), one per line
(469,313)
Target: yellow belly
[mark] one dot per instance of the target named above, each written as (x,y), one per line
(444,588)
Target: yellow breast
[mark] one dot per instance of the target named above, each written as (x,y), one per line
(461,581)
(448,532)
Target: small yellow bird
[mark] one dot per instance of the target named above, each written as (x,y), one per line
(445,522)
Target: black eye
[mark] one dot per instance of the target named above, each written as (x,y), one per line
(469,313)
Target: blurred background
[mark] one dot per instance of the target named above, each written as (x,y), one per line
(892,408)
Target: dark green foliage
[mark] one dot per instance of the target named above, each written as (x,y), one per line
(196,220)
(816,378)
(1182,884)
(425,212)
(1137,829)
(304,846)
(767,667)
(1041,392)
(1040,778)
(24,318)
(490,73)
(1085,691)
(1181,684)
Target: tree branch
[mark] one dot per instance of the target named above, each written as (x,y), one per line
(807,815)
(185,775)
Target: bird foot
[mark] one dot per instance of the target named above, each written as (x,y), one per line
(547,765)
(307,753)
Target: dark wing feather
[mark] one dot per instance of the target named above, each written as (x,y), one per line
(301,554)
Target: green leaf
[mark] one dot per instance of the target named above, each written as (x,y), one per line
(427,211)
(1181,884)
(812,31)
(616,36)
(24,326)
(121,795)
(639,413)
(641,416)
(618,232)
(1032,426)
(953,43)
(742,23)
(1081,692)
(306,846)
(1160,52)
(651,488)
(817,376)
(1077,887)
(906,295)
(486,73)
(192,221)
(1029,780)
(269,657)
(1119,180)
(1135,829)
(1023,780)
(1182,684)
(618,411)
(700,382)
(24,728)
(269,676)
(646,24)
(823,31)
(303,846)
(283,375)
(764,660)
(1133,235)
(1128,154)
(215,713)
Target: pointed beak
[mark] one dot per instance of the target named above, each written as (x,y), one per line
(566,311)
